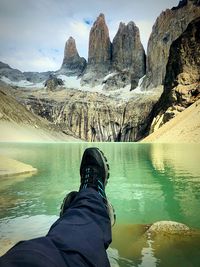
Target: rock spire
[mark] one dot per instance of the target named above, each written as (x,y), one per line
(128,53)
(99,42)
(99,54)
(72,63)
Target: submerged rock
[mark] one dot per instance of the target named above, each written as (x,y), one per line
(168,227)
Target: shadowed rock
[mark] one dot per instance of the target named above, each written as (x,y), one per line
(182,86)
(167,28)
(128,53)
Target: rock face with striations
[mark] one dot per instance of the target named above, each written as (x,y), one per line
(90,116)
(72,64)
(182,81)
(128,53)
(99,56)
(167,28)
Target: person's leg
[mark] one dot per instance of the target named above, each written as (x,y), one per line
(82,234)
(84,229)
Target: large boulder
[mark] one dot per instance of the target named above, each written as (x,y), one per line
(168,227)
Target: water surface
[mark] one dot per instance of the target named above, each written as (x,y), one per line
(148,183)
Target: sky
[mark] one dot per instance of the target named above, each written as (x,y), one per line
(33,32)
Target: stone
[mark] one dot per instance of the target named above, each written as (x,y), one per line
(72,64)
(128,53)
(167,28)
(99,55)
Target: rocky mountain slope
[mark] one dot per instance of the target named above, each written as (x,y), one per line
(184,128)
(182,80)
(19,124)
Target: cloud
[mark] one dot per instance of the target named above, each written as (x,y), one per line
(38,30)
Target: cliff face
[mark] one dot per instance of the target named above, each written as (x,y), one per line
(72,64)
(167,28)
(182,81)
(99,43)
(90,116)
(128,53)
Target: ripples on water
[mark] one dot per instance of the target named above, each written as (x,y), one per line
(148,183)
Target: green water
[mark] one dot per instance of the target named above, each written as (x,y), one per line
(148,183)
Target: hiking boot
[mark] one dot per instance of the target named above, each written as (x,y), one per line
(67,201)
(94,171)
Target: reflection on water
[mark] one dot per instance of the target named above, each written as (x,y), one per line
(137,247)
(148,183)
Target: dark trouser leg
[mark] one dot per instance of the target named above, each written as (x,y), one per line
(79,238)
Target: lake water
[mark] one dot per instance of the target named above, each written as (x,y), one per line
(148,183)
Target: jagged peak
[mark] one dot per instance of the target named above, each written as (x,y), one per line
(71,38)
(100,20)
(101,16)
(131,23)
(70,46)
(123,26)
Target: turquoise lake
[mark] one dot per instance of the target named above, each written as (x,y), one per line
(148,183)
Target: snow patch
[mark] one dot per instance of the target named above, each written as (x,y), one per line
(70,82)
(138,88)
(109,76)
(22,83)
(123,93)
